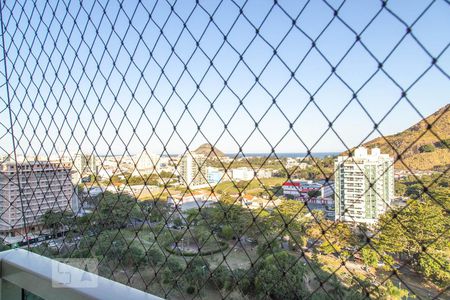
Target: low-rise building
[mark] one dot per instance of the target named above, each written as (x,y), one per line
(215,175)
(301,188)
(242,174)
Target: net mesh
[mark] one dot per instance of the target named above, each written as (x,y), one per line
(104,105)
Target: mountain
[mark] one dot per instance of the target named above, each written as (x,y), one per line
(209,150)
(426,149)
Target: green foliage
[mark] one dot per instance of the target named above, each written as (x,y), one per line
(201,234)
(155,257)
(178,222)
(56,220)
(426,148)
(418,233)
(221,277)
(391,292)
(400,188)
(133,256)
(197,273)
(280,276)
(4,247)
(335,238)
(268,247)
(414,191)
(226,199)
(153,211)
(165,174)
(173,269)
(227,232)
(314,194)
(436,265)
(243,280)
(115,210)
(369,257)
(232,214)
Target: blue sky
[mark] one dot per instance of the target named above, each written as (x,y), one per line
(130,95)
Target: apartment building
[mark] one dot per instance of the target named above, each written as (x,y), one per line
(364,186)
(83,165)
(301,188)
(31,189)
(193,171)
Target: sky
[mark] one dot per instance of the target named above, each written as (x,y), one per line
(163,76)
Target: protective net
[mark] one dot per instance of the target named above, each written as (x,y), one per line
(231,149)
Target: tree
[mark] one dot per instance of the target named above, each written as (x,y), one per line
(414,191)
(335,238)
(3,246)
(226,199)
(153,210)
(201,234)
(178,222)
(267,247)
(133,256)
(227,232)
(117,248)
(221,277)
(400,188)
(395,293)
(155,257)
(239,217)
(290,217)
(369,257)
(56,220)
(280,276)
(314,194)
(337,289)
(173,269)
(197,273)
(418,233)
(165,174)
(135,180)
(115,210)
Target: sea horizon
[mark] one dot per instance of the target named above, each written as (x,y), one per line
(283,154)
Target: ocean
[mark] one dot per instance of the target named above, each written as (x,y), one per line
(286,154)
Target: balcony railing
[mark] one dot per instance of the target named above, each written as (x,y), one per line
(24,272)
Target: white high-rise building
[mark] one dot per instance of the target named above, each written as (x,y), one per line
(30,189)
(364,186)
(193,171)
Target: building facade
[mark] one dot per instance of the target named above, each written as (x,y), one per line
(364,186)
(243,173)
(83,165)
(300,188)
(145,163)
(32,189)
(215,175)
(193,171)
